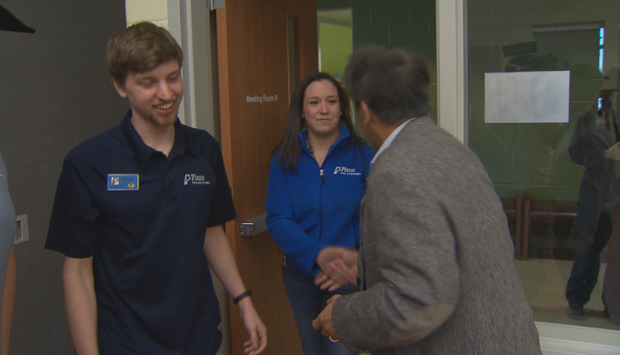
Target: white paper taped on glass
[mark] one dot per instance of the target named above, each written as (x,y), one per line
(527,97)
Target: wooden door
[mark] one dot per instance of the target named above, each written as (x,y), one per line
(256,55)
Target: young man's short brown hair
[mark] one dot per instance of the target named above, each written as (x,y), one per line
(140,47)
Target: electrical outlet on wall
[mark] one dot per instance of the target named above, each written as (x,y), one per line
(22,233)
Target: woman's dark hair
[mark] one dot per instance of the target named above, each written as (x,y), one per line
(289,148)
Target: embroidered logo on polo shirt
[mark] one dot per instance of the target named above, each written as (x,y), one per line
(195,179)
(345,171)
(123,182)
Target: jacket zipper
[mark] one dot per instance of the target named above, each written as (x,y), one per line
(321,204)
(321,187)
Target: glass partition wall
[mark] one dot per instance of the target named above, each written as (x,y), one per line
(534,67)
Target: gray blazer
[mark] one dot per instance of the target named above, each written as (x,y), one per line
(436,257)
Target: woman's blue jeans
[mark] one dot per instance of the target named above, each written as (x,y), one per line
(307,301)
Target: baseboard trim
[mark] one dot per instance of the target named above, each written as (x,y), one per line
(561,339)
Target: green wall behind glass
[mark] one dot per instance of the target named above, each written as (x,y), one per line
(406,23)
(533,157)
(334,48)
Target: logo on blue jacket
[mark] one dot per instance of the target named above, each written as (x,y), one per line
(342,170)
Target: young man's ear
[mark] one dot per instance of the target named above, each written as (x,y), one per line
(120,88)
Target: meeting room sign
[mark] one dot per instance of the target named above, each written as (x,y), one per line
(259,99)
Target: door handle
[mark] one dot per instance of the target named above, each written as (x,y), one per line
(253,226)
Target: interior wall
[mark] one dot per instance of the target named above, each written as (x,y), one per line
(577,46)
(406,23)
(55,92)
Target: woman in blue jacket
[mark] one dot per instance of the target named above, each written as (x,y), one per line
(317,179)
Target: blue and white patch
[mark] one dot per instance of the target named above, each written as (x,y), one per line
(343,170)
(123,182)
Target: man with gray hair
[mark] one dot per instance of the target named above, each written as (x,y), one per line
(436,257)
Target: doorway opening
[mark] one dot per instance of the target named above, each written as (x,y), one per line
(335,40)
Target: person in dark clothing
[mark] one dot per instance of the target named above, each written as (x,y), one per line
(594,146)
(138,215)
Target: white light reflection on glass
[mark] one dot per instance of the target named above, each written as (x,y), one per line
(601,53)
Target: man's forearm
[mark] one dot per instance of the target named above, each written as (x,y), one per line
(80,305)
(221,260)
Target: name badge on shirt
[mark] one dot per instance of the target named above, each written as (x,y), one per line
(123,182)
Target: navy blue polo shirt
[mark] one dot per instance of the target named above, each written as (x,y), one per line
(143,217)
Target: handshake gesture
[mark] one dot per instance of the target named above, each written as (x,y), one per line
(338,268)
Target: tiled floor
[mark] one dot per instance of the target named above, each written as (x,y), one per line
(544,283)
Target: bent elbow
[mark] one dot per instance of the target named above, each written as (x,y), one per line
(423,322)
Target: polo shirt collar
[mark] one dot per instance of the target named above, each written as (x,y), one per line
(143,151)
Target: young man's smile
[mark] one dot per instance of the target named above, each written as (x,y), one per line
(154,95)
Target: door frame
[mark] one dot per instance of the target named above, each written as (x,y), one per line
(186,22)
(452,67)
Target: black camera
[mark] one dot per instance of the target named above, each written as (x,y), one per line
(525,58)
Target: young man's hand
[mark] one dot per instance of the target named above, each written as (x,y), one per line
(255,327)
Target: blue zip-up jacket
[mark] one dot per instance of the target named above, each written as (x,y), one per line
(317,206)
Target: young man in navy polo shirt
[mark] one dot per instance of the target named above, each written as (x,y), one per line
(138,215)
